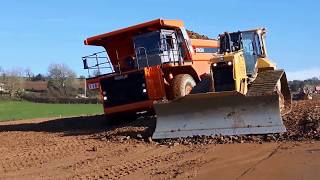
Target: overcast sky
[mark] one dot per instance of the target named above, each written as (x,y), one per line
(36,33)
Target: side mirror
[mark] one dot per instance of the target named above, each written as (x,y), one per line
(85,64)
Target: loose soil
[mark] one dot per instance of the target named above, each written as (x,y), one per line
(86,148)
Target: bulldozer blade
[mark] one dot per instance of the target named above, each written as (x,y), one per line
(228,113)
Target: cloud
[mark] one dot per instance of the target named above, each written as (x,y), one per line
(303,74)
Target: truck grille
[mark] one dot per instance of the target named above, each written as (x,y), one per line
(124,89)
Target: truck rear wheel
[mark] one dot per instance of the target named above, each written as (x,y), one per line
(182,85)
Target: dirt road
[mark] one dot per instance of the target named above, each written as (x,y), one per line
(54,149)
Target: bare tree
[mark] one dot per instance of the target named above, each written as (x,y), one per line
(61,80)
(2,78)
(2,75)
(13,81)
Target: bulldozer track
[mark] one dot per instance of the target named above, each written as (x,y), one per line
(265,83)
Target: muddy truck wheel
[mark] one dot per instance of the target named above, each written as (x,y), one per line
(182,85)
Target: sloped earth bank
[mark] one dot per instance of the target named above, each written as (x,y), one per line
(85,148)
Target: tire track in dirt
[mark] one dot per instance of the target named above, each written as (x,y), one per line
(51,153)
(185,166)
(91,168)
(147,161)
(38,155)
(54,156)
(116,167)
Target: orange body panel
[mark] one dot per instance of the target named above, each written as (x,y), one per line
(202,57)
(201,60)
(154,81)
(204,43)
(201,67)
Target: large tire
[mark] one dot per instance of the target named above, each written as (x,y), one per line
(182,85)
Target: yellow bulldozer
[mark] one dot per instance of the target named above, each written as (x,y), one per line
(244,93)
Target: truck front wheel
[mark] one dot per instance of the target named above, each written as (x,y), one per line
(182,85)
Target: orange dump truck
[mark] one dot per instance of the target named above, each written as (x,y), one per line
(144,63)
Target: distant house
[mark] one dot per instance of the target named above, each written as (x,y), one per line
(36,86)
(317,88)
(2,87)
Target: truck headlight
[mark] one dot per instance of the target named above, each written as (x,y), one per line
(229,63)
(144,90)
(214,64)
(105,98)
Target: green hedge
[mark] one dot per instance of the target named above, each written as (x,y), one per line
(40,98)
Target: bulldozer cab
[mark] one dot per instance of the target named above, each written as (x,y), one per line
(251,42)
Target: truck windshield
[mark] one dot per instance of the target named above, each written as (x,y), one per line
(147,44)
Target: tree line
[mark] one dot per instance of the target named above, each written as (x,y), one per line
(308,84)
(60,80)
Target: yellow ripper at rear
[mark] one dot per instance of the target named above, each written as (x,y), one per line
(228,113)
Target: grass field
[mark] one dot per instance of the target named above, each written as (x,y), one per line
(14,110)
